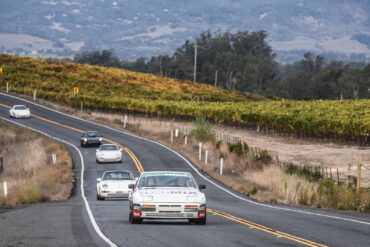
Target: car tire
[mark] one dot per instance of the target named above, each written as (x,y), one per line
(98,197)
(134,221)
(97,161)
(202,221)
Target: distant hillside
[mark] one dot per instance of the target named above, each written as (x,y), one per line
(50,77)
(142,28)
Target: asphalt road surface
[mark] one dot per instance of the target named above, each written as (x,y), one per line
(232,219)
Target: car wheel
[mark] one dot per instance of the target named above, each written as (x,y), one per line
(202,221)
(98,197)
(97,161)
(134,221)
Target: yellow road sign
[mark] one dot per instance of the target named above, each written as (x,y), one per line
(1,70)
(76,90)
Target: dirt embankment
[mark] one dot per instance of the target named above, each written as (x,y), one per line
(28,167)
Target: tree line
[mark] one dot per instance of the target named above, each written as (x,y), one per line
(244,61)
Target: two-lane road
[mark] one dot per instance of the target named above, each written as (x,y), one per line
(233,220)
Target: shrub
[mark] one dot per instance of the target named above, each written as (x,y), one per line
(238,148)
(312,174)
(202,130)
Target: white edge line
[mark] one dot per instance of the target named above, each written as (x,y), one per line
(91,216)
(196,170)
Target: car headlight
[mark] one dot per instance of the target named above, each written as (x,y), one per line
(191,208)
(136,206)
(100,139)
(105,186)
(85,139)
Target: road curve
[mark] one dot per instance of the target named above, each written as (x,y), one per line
(233,220)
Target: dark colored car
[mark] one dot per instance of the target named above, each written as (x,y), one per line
(91,138)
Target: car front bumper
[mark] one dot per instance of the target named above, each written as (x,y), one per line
(170,211)
(91,143)
(115,194)
(107,160)
(22,116)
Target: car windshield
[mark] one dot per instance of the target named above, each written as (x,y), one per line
(118,176)
(20,107)
(92,134)
(163,179)
(108,148)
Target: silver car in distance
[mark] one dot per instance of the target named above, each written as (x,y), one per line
(19,111)
(109,153)
(167,195)
(114,184)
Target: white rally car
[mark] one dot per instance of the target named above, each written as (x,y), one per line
(114,184)
(19,111)
(109,153)
(167,195)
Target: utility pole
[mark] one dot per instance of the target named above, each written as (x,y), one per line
(216,75)
(195,62)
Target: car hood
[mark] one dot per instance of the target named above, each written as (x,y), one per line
(109,154)
(21,112)
(117,184)
(170,195)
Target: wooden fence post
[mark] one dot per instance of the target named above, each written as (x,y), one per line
(338,175)
(358,187)
(1,165)
(349,173)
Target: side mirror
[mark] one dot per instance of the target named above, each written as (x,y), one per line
(28,109)
(98,180)
(202,187)
(136,179)
(97,150)
(131,186)
(120,149)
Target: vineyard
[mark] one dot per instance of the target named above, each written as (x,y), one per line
(123,91)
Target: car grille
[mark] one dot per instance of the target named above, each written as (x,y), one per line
(169,206)
(168,215)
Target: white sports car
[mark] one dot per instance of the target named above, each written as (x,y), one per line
(114,184)
(19,111)
(109,153)
(167,195)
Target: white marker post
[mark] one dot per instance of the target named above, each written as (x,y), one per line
(221,166)
(125,121)
(171,135)
(5,189)
(186,140)
(206,158)
(176,132)
(200,151)
(54,158)
(34,95)
(7,87)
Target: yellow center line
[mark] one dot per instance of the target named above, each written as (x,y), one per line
(245,222)
(253,225)
(138,164)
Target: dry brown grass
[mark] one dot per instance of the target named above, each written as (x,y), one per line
(283,187)
(28,167)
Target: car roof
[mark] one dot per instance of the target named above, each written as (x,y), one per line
(117,171)
(174,172)
(109,144)
(19,105)
(87,131)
